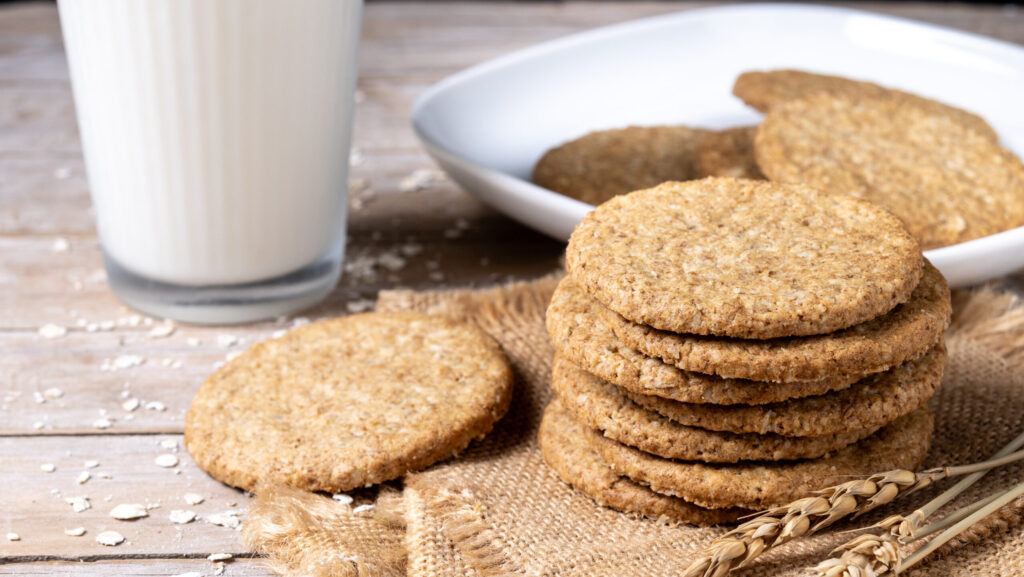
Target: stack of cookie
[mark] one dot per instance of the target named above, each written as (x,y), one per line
(727,345)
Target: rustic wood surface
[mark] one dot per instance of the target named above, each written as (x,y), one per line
(70,400)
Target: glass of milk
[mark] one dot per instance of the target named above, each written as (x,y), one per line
(216,137)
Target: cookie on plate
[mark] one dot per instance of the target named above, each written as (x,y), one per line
(604,164)
(902,334)
(729,152)
(754,485)
(348,402)
(601,405)
(742,258)
(945,179)
(564,446)
(764,90)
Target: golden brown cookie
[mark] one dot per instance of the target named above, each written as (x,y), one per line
(729,152)
(876,345)
(868,404)
(348,402)
(743,258)
(753,485)
(564,446)
(947,181)
(577,332)
(604,164)
(601,405)
(764,90)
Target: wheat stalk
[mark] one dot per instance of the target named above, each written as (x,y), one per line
(866,555)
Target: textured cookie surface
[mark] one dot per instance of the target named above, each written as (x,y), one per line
(876,345)
(564,446)
(604,164)
(577,332)
(948,182)
(901,445)
(729,152)
(743,258)
(764,90)
(601,405)
(348,402)
(868,404)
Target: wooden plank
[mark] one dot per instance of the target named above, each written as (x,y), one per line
(33,501)
(159,567)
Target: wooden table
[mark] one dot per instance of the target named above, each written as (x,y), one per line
(114,391)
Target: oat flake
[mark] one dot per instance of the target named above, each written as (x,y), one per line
(76,532)
(110,538)
(128,511)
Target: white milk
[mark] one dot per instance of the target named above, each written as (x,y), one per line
(215,132)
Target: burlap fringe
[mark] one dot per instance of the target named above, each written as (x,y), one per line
(990,318)
(302,533)
(463,522)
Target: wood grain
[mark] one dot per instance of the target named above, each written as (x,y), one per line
(44,196)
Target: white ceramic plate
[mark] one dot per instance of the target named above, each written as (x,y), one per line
(488,125)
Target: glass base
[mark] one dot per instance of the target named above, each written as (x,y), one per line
(225,304)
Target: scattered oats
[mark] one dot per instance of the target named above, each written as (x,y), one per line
(189,574)
(131,321)
(151,506)
(108,498)
(167,362)
(391,261)
(128,511)
(362,508)
(193,498)
(106,326)
(278,333)
(167,460)
(83,477)
(176,365)
(38,425)
(129,417)
(62,173)
(218,568)
(38,397)
(52,331)
(128,361)
(192,342)
(343,498)
(53,393)
(226,341)
(359,306)
(411,249)
(92,464)
(131,404)
(48,467)
(103,423)
(300,322)
(177,471)
(420,179)
(232,356)
(60,244)
(227,519)
(169,444)
(155,406)
(220,557)
(76,532)
(13,537)
(180,517)
(110,538)
(78,504)
(126,393)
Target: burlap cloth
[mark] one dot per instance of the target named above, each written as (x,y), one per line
(498,509)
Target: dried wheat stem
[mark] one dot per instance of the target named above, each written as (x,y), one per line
(942,538)
(955,516)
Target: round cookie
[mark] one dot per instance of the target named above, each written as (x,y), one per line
(764,90)
(743,258)
(601,165)
(947,181)
(601,405)
(900,445)
(348,402)
(564,446)
(576,331)
(729,152)
(868,404)
(902,334)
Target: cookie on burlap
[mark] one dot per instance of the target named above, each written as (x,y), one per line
(868,404)
(564,446)
(607,163)
(947,181)
(764,90)
(348,402)
(729,152)
(601,405)
(576,331)
(743,258)
(904,333)
(753,485)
